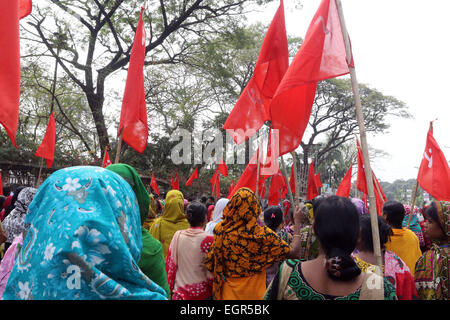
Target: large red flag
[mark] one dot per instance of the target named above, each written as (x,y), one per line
(292,181)
(248,177)
(106,159)
(434,172)
(346,184)
(321,56)
(133,117)
(252,108)
(278,188)
(311,190)
(193,176)
(47,148)
(154,184)
(10,14)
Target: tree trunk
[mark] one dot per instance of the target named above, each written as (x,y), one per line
(96,106)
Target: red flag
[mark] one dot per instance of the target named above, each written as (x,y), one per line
(133,116)
(106,159)
(252,108)
(318,181)
(47,148)
(10,14)
(434,172)
(215,184)
(248,177)
(1,185)
(311,191)
(193,176)
(154,184)
(271,166)
(361,183)
(230,189)
(321,56)
(174,183)
(346,184)
(223,169)
(292,181)
(278,188)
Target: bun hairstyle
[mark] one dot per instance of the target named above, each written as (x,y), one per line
(273,216)
(336,225)
(196,214)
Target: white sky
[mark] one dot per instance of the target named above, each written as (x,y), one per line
(401,48)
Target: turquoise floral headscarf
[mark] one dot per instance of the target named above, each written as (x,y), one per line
(83,241)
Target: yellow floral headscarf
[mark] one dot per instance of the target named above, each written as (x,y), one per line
(172,220)
(241,247)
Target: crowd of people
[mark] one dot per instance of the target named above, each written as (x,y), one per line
(93,233)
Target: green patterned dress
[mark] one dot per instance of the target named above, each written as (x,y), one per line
(297,288)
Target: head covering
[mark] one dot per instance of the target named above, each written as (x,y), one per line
(12,204)
(151,213)
(432,269)
(14,222)
(172,220)
(360,206)
(210,211)
(131,176)
(217,215)
(84,241)
(241,247)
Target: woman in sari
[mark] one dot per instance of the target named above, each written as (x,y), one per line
(217,215)
(83,242)
(394,268)
(242,250)
(432,268)
(151,261)
(188,277)
(333,275)
(172,220)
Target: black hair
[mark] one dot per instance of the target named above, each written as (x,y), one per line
(336,225)
(384,229)
(273,216)
(395,213)
(212,199)
(204,199)
(196,214)
(6,191)
(432,213)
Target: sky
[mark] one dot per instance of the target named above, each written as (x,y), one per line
(402,49)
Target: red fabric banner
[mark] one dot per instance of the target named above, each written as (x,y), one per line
(434,172)
(47,148)
(346,184)
(106,160)
(133,116)
(175,183)
(318,181)
(252,108)
(278,189)
(311,190)
(321,56)
(248,177)
(292,181)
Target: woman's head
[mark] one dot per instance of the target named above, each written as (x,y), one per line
(273,217)
(243,207)
(360,206)
(336,225)
(196,214)
(438,220)
(394,213)
(366,239)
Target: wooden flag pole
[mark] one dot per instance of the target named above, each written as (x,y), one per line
(283,166)
(119,146)
(413,203)
(364,147)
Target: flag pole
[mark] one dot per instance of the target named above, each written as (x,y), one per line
(119,146)
(283,166)
(364,147)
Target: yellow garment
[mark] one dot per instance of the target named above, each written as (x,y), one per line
(405,244)
(172,220)
(246,288)
(151,214)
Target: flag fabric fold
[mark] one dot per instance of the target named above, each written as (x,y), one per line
(46,149)
(10,14)
(249,176)
(311,190)
(434,172)
(321,56)
(278,189)
(133,117)
(292,181)
(106,159)
(252,108)
(175,183)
